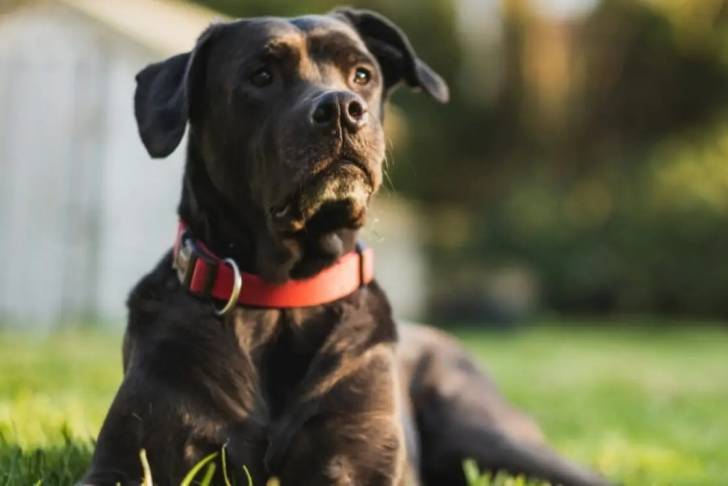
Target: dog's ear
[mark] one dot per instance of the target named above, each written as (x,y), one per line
(164,98)
(395,54)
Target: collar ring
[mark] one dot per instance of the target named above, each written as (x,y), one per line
(235,293)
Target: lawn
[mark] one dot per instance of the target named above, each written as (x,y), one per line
(645,404)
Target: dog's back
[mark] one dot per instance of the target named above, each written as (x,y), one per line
(460,414)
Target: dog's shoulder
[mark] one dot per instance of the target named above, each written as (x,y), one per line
(159,296)
(154,287)
(168,323)
(380,311)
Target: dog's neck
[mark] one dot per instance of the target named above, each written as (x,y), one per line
(211,218)
(241,231)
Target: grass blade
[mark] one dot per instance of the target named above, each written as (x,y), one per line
(224,466)
(187,480)
(471,471)
(207,478)
(247,475)
(147,479)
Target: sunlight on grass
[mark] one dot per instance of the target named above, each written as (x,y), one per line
(474,477)
(644,405)
(639,403)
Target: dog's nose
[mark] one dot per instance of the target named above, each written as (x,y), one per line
(347,108)
(354,110)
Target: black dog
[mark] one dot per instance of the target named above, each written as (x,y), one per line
(285,150)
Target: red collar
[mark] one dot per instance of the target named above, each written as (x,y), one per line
(207,275)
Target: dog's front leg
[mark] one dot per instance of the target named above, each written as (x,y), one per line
(354,437)
(143,416)
(347,450)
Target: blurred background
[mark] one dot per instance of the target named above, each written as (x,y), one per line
(579,168)
(574,194)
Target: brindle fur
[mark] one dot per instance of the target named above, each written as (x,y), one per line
(322,395)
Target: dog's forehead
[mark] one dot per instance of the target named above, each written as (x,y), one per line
(324,25)
(297,31)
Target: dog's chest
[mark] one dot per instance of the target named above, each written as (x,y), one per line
(283,365)
(281,346)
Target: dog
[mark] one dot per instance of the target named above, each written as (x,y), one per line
(309,380)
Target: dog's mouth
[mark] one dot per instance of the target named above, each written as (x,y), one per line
(335,198)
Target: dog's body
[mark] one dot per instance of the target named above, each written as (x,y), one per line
(306,394)
(285,149)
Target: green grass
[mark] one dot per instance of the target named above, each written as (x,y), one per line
(646,405)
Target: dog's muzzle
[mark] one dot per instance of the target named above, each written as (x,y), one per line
(336,198)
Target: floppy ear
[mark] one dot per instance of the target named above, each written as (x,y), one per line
(164,98)
(395,54)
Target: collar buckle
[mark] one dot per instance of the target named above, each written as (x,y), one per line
(185,262)
(185,259)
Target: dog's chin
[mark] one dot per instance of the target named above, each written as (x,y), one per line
(319,223)
(339,195)
(335,199)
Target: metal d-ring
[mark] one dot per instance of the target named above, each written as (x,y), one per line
(237,285)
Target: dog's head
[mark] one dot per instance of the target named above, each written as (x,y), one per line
(285,123)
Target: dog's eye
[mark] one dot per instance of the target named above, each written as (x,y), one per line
(262,77)
(362,76)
